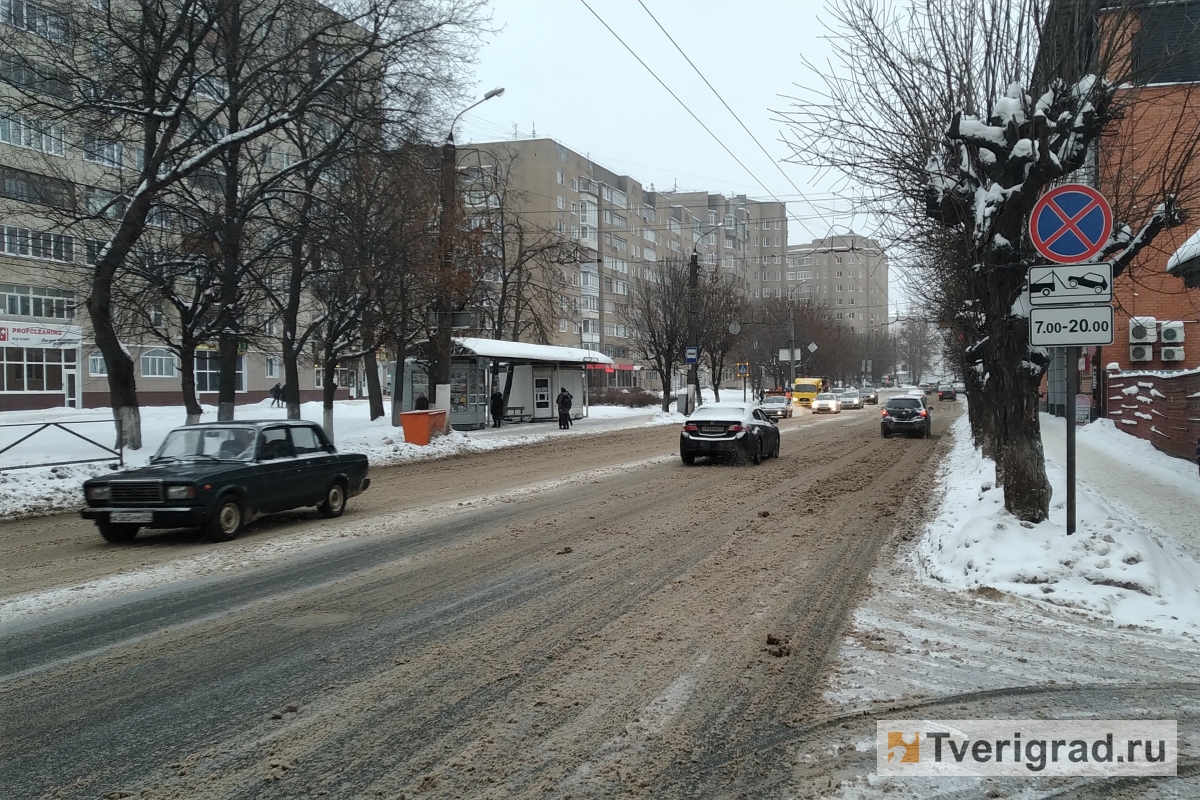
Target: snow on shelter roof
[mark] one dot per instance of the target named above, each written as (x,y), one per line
(1188,251)
(523,351)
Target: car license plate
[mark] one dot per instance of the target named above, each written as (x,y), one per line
(712,429)
(131,516)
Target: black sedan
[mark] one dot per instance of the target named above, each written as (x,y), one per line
(220,476)
(908,415)
(870,395)
(731,430)
(947,392)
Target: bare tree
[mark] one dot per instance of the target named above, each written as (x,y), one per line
(658,319)
(159,76)
(721,305)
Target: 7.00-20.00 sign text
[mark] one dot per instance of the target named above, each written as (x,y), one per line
(1069,326)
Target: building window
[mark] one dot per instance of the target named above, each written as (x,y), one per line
(97,368)
(99,150)
(34,369)
(561,203)
(560,178)
(31,301)
(272,367)
(34,18)
(156,316)
(22,131)
(1166,46)
(208,372)
(158,363)
(562,326)
(28,187)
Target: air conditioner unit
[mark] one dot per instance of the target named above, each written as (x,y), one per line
(1172,354)
(1142,329)
(1141,352)
(1172,332)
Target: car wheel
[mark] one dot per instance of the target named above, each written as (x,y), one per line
(885,433)
(229,520)
(117,534)
(776,453)
(335,501)
(757,456)
(928,431)
(687,458)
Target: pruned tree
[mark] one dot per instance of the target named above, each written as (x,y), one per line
(658,319)
(957,117)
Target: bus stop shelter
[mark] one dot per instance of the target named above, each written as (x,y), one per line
(539,372)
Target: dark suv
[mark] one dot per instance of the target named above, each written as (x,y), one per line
(907,414)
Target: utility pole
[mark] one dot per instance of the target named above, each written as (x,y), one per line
(693,331)
(792,355)
(447,280)
(442,303)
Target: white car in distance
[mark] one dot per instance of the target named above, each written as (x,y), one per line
(827,403)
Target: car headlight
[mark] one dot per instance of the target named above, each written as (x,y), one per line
(181,492)
(101,492)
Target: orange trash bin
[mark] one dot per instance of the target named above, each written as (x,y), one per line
(415,425)
(437,422)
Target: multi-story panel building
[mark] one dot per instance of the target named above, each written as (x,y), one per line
(60,185)
(622,232)
(745,240)
(848,273)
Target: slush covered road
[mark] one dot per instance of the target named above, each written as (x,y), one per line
(580,617)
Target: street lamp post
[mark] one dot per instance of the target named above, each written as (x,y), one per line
(443,302)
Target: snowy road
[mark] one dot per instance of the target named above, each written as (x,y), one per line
(593,618)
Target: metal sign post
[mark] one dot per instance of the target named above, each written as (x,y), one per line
(1070,300)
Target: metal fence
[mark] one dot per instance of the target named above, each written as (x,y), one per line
(40,427)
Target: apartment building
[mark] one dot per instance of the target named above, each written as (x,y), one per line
(622,232)
(60,186)
(848,273)
(743,239)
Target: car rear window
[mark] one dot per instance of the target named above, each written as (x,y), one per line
(904,402)
(774,401)
(718,412)
(827,396)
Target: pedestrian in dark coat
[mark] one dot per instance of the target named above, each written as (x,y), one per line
(283,395)
(497,408)
(276,393)
(564,409)
(422,403)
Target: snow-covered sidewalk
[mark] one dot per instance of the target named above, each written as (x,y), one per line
(1132,560)
(43,490)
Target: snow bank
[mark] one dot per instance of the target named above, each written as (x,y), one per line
(1116,566)
(43,490)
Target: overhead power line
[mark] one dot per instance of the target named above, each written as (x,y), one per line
(699,121)
(749,133)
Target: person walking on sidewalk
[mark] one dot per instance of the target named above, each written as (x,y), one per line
(497,408)
(276,393)
(422,402)
(564,409)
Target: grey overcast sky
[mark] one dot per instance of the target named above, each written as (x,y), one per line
(567,77)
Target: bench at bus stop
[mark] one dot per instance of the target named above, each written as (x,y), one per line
(516,414)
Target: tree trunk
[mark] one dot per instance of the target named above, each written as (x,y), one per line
(187,380)
(227,358)
(328,390)
(122,387)
(398,384)
(371,376)
(1021,464)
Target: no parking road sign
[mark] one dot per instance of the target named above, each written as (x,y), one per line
(1071,224)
